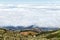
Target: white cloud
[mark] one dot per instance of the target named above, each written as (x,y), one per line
(42,15)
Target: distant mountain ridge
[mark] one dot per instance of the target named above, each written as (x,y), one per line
(29,27)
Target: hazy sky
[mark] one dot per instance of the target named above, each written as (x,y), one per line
(29,1)
(24,13)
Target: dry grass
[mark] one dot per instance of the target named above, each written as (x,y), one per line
(16,35)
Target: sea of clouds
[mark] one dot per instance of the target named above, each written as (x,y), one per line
(30,14)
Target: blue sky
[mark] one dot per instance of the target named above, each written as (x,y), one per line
(29,1)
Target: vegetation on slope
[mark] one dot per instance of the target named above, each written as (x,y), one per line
(29,35)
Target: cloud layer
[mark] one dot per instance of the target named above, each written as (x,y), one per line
(28,14)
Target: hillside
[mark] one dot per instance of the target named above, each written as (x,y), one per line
(54,35)
(28,27)
(29,35)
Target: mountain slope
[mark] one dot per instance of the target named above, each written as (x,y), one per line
(55,34)
(29,27)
